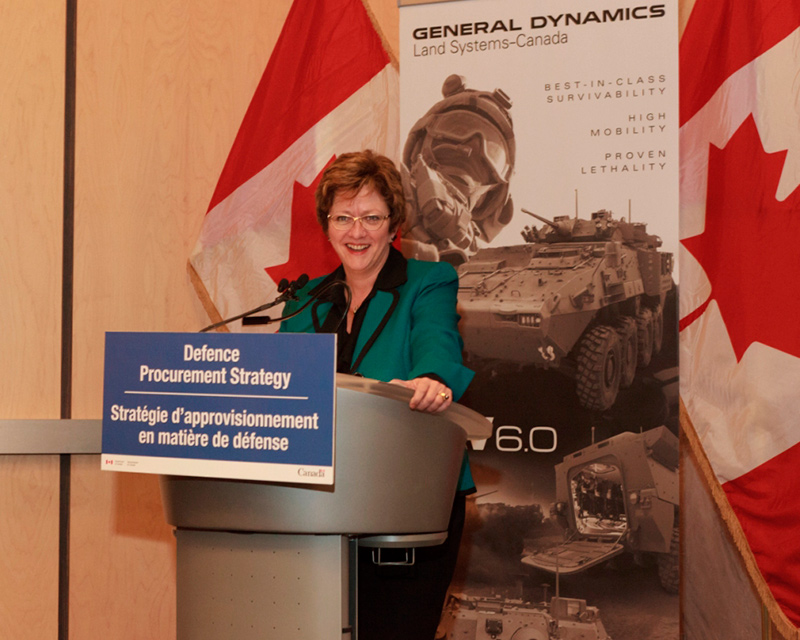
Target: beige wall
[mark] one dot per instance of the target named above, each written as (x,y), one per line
(31,169)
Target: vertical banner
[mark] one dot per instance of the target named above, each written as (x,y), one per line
(541,159)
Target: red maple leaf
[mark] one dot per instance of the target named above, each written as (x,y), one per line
(749,247)
(309,249)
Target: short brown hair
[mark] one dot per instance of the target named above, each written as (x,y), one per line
(350,172)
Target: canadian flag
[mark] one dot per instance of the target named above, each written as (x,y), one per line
(329,87)
(740,274)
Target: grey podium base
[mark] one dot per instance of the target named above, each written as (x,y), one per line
(243,586)
(259,586)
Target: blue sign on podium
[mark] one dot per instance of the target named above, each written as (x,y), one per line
(245,406)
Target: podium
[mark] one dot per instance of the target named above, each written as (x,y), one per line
(274,560)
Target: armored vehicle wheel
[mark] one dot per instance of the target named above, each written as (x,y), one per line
(629,344)
(599,361)
(658,329)
(644,331)
(669,566)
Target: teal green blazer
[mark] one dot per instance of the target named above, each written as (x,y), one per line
(410,328)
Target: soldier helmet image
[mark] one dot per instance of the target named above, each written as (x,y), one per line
(457,163)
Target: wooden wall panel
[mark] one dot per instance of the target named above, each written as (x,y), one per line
(387,16)
(162,87)
(31,131)
(31,126)
(29,547)
(122,567)
(684,11)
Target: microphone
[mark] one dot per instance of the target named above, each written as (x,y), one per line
(315,294)
(287,291)
(292,287)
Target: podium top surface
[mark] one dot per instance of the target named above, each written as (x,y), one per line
(473,423)
(83,436)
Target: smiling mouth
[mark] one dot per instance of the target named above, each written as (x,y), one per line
(357,247)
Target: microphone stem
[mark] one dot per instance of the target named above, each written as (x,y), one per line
(263,307)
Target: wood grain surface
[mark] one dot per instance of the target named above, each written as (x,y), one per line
(29,547)
(31,176)
(31,134)
(122,556)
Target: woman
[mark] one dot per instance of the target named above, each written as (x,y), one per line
(399,325)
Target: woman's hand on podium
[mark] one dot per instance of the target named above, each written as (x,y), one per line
(430,395)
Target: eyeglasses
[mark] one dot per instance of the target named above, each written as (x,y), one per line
(343,222)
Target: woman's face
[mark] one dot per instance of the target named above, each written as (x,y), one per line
(361,251)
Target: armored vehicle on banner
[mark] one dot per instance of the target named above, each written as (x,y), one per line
(584,297)
(473,618)
(617,495)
